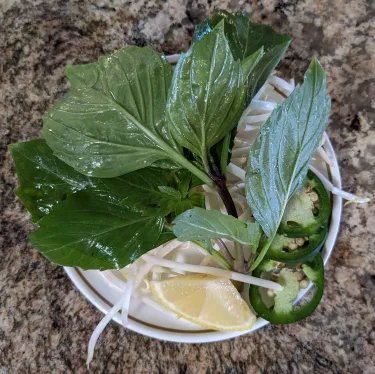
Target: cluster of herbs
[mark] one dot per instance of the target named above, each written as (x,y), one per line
(126,147)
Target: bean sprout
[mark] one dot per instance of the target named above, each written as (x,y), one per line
(336,191)
(213,271)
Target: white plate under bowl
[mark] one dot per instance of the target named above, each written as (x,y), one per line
(103,292)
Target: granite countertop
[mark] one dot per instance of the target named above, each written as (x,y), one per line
(45,323)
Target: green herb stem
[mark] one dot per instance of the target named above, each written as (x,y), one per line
(167,226)
(242,268)
(224,249)
(214,253)
(221,259)
(262,253)
(173,154)
(177,157)
(222,189)
(205,162)
(250,260)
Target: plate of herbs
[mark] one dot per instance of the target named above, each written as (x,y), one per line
(191,198)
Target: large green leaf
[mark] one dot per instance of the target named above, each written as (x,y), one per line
(202,224)
(94,232)
(164,237)
(207,94)
(112,121)
(230,28)
(44,180)
(138,190)
(245,38)
(265,67)
(280,156)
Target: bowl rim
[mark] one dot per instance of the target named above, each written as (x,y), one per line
(204,336)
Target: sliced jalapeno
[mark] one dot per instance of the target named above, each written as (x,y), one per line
(286,249)
(277,306)
(307,210)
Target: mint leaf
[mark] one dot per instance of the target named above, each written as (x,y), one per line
(280,156)
(94,232)
(207,94)
(111,122)
(202,224)
(245,38)
(44,180)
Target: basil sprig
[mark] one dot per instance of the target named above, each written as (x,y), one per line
(245,37)
(280,157)
(208,93)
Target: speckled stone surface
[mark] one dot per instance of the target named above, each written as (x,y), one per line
(45,323)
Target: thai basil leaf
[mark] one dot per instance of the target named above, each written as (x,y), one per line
(250,63)
(280,156)
(264,68)
(44,180)
(202,224)
(93,232)
(221,152)
(245,38)
(253,36)
(207,94)
(147,191)
(112,122)
(230,28)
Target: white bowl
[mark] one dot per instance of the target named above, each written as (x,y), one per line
(104,289)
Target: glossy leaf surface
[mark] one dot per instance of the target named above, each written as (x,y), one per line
(202,224)
(94,232)
(112,121)
(207,94)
